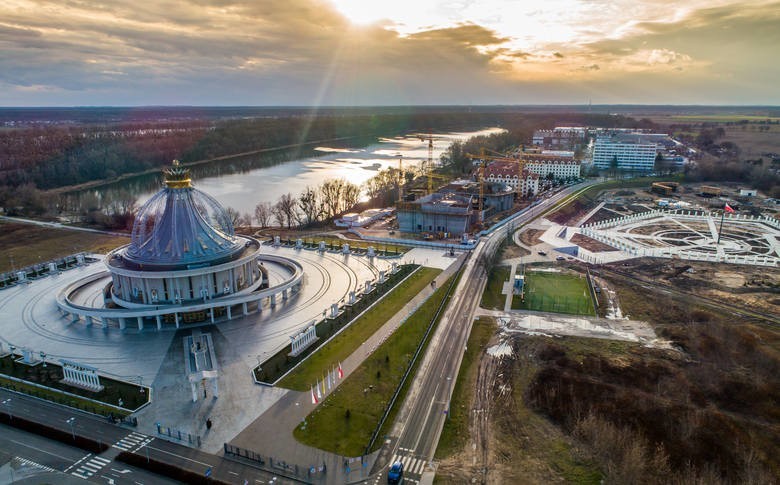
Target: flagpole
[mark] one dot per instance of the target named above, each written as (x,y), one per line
(720,229)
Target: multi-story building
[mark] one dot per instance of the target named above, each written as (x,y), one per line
(632,154)
(507,172)
(560,137)
(560,167)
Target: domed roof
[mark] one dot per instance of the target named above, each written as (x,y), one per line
(181,226)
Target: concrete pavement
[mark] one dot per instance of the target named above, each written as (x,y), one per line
(271,433)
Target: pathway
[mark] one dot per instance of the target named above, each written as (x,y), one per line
(271,433)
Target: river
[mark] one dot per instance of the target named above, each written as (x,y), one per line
(244,188)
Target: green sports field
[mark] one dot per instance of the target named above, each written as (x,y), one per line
(555,293)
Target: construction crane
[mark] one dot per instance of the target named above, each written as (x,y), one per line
(400,177)
(429,163)
(520,162)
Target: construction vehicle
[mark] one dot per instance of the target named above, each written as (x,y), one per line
(709,191)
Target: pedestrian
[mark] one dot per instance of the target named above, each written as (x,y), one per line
(208,423)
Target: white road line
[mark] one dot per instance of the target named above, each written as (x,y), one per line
(79,475)
(100,458)
(83,470)
(413,466)
(92,466)
(179,456)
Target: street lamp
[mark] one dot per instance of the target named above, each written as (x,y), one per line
(72,431)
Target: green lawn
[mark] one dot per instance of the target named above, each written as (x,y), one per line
(54,390)
(492,299)
(555,293)
(455,434)
(338,349)
(344,421)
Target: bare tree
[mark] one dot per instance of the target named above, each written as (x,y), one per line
(287,205)
(309,205)
(233,216)
(278,214)
(263,214)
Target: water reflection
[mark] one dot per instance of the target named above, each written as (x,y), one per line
(241,184)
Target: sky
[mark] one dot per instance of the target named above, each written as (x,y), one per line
(400,52)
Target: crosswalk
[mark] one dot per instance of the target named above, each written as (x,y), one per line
(88,466)
(413,466)
(32,464)
(133,442)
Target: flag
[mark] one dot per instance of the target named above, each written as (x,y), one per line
(328,380)
(341,371)
(319,395)
(729,209)
(314,399)
(323,386)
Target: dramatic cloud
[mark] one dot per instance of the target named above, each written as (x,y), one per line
(304,52)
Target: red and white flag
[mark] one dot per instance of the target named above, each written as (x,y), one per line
(319,394)
(341,371)
(314,399)
(729,209)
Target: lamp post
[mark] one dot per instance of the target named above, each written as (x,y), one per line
(72,431)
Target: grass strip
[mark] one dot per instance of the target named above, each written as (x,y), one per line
(342,346)
(344,422)
(492,299)
(455,434)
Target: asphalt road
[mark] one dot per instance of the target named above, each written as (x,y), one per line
(425,410)
(102,468)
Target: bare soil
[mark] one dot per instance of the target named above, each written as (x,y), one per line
(757,287)
(28,244)
(530,237)
(591,244)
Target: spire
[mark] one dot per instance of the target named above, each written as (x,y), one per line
(177,177)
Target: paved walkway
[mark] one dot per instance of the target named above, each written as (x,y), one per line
(271,433)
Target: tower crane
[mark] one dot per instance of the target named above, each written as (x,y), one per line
(481,171)
(429,163)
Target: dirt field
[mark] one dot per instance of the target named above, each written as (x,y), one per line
(591,244)
(756,287)
(28,244)
(530,237)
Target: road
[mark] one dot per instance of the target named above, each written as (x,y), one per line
(424,412)
(37,453)
(102,468)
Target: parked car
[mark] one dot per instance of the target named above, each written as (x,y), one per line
(560,258)
(541,253)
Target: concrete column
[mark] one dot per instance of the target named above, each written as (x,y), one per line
(216,387)
(122,323)
(284,295)
(194,388)
(246,310)
(159,322)
(176,319)
(75,318)
(88,320)
(260,305)
(140,323)
(103,322)
(211,313)
(273,301)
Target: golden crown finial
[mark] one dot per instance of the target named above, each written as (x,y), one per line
(177,177)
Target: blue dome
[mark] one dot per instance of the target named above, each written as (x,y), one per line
(180,227)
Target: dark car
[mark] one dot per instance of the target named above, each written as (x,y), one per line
(396,473)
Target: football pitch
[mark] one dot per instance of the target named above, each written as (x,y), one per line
(555,293)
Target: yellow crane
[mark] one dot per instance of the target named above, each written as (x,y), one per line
(400,177)
(483,165)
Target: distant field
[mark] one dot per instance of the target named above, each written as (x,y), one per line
(555,293)
(724,118)
(753,143)
(27,244)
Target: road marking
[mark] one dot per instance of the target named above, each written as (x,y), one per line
(80,460)
(33,464)
(110,480)
(233,473)
(179,456)
(38,449)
